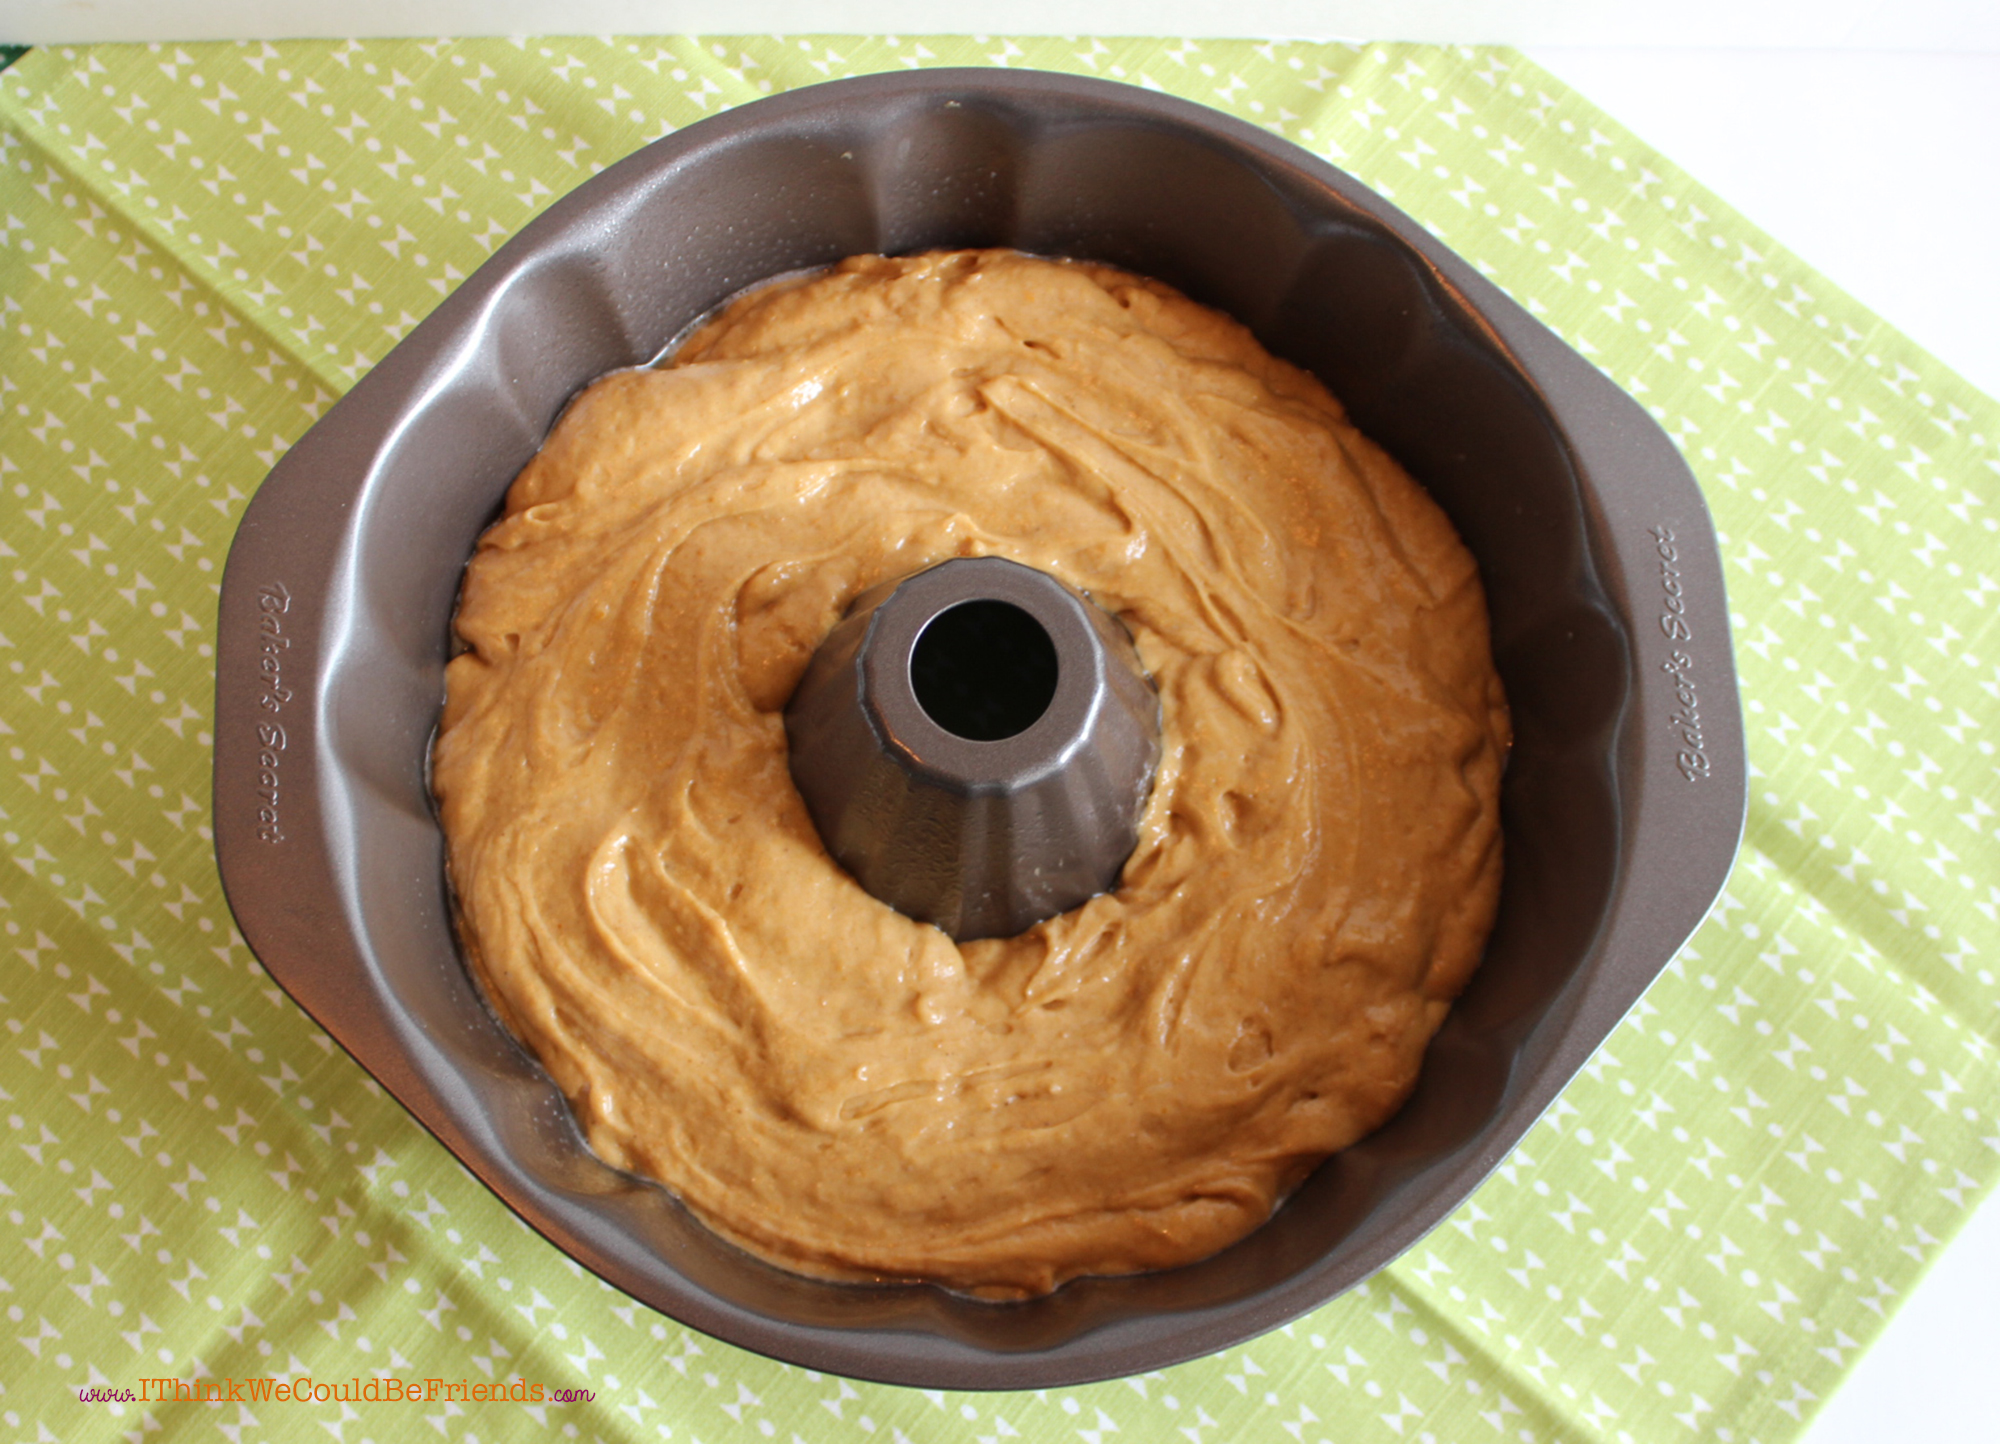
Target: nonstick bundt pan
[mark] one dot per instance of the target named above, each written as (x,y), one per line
(1623,800)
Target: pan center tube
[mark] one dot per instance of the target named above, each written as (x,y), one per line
(975,744)
(984,670)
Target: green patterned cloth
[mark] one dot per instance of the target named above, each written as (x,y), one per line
(201,246)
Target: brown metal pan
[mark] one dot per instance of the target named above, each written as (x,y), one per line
(1623,801)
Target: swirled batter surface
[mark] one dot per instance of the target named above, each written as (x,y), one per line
(845,1091)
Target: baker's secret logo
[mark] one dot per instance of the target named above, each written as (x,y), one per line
(1691,748)
(273,603)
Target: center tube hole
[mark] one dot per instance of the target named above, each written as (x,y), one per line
(984,670)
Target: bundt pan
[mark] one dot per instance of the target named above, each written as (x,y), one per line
(1623,801)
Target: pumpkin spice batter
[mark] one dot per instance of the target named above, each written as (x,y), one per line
(840,1089)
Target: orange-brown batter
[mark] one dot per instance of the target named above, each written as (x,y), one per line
(845,1091)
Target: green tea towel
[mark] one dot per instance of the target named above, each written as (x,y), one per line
(201,246)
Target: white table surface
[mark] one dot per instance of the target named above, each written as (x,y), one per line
(1879,165)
